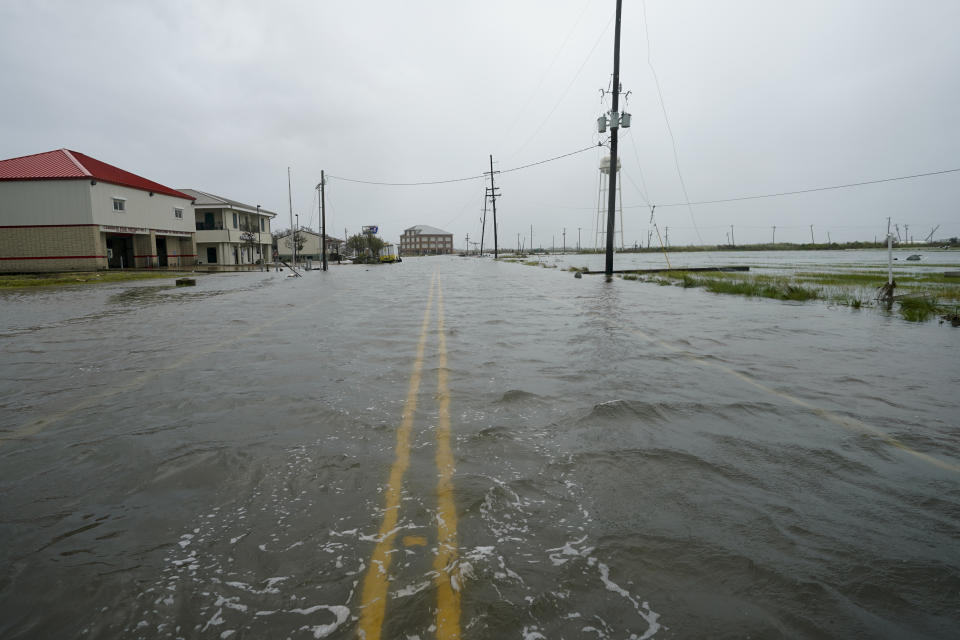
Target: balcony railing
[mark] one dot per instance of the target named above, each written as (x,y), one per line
(209,226)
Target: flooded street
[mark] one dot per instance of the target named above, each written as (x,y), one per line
(454,447)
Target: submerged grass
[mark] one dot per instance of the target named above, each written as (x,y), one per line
(919,309)
(22,280)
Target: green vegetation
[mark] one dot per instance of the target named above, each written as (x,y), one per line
(919,309)
(919,302)
(21,280)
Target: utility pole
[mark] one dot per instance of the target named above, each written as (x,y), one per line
(614,128)
(774,239)
(292,229)
(811,235)
(323,220)
(666,236)
(906,233)
(296,238)
(553,243)
(483,227)
(531,238)
(518,243)
(564,240)
(733,241)
(493,200)
(578,239)
(829,241)
(468,244)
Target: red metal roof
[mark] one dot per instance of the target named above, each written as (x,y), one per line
(64,164)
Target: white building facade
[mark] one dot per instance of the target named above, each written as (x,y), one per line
(62,210)
(230,233)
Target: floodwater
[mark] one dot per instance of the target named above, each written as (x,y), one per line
(243,459)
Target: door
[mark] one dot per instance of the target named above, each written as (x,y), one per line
(208,220)
(212,255)
(162,252)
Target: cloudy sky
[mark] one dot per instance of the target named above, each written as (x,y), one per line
(761,97)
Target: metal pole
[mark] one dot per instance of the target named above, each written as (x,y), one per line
(774,239)
(323,219)
(614,128)
(578,239)
(733,241)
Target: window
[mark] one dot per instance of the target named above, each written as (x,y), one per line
(178,213)
(119,204)
(263,225)
(234,219)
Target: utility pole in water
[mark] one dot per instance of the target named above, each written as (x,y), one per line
(293,231)
(323,221)
(493,200)
(483,227)
(774,239)
(614,128)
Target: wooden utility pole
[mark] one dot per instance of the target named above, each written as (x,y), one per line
(493,200)
(323,220)
(483,227)
(614,128)
(293,231)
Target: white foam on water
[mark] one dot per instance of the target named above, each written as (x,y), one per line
(411,589)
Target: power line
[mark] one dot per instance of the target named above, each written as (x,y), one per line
(433,182)
(566,155)
(663,107)
(799,191)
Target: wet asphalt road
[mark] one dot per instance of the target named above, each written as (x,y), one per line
(243,459)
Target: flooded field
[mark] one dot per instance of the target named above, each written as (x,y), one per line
(453,447)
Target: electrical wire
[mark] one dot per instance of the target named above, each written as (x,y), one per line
(663,107)
(565,91)
(543,76)
(815,189)
(478,177)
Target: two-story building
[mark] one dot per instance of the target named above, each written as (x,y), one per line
(424,240)
(228,232)
(62,210)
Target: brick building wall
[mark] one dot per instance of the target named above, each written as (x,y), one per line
(52,248)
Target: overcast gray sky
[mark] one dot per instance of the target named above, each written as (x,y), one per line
(761,96)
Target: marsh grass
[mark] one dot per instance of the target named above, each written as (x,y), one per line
(22,280)
(919,309)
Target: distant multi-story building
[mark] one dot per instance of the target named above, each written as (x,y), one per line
(424,240)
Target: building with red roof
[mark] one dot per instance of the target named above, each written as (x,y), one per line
(62,210)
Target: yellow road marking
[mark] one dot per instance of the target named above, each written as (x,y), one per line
(374,596)
(414,541)
(445,563)
(843,421)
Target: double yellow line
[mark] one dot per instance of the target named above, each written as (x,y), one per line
(377,580)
